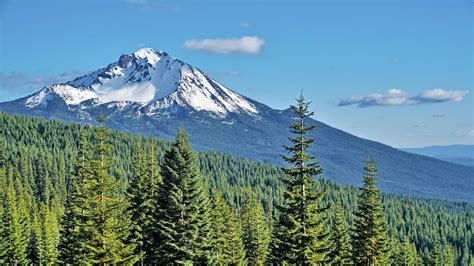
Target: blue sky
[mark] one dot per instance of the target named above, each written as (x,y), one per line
(398,72)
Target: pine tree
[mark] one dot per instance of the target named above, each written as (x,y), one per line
(405,254)
(235,250)
(15,232)
(50,236)
(143,191)
(304,238)
(341,247)
(73,235)
(227,246)
(183,219)
(369,240)
(256,232)
(449,255)
(435,257)
(108,222)
(220,214)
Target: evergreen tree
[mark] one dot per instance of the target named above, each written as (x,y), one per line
(183,218)
(227,246)
(341,247)
(235,250)
(304,238)
(48,244)
(143,191)
(73,235)
(256,232)
(369,240)
(405,254)
(108,222)
(15,232)
(449,255)
(435,257)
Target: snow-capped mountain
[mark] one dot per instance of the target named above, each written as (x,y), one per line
(151,93)
(151,78)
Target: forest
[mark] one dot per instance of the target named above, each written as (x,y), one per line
(72,194)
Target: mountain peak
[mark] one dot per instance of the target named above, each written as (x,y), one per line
(151,78)
(151,55)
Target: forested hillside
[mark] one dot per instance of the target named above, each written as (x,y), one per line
(39,161)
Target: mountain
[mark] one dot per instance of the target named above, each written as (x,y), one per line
(151,93)
(459,154)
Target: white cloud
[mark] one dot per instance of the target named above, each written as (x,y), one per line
(388,98)
(245,44)
(395,97)
(440,95)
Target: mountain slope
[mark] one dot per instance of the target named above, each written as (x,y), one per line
(459,154)
(152,93)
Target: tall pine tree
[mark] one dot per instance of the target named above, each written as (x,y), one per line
(142,191)
(73,237)
(227,246)
(107,219)
(15,232)
(369,239)
(183,219)
(303,235)
(256,231)
(341,247)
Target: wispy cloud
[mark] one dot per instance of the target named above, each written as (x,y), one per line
(20,80)
(245,44)
(396,97)
(440,95)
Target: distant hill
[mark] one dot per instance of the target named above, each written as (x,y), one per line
(459,154)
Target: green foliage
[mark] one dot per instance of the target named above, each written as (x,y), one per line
(256,231)
(23,140)
(226,233)
(14,236)
(302,222)
(73,224)
(340,241)
(108,223)
(143,191)
(183,217)
(369,238)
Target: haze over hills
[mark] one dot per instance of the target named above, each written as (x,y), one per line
(151,93)
(459,154)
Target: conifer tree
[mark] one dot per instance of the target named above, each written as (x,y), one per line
(73,235)
(341,247)
(142,192)
(183,219)
(449,255)
(303,237)
(108,222)
(256,231)
(48,244)
(369,239)
(235,251)
(435,257)
(405,254)
(227,246)
(14,220)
